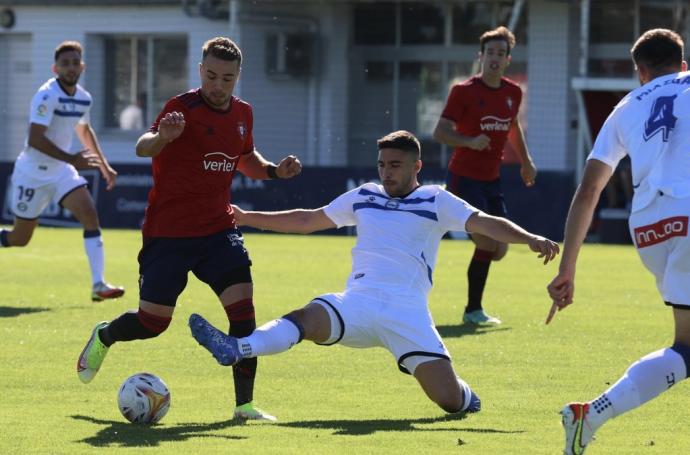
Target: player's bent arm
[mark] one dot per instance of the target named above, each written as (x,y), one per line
(38,140)
(297,221)
(506,231)
(150,144)
(595,177)
(497,228)
(516,137)
(255,166)
(87,136)
(445,133)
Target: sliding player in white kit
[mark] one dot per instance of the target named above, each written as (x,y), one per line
(399,227)
(46,170)
(652,125)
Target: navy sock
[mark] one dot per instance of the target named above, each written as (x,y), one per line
(477,273)
(4,241)
(242,323)
(244,371)
(132,326)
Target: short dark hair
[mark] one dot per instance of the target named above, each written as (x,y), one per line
(68,46)
(222,48)
(401,140)
(499,33)
(658,49)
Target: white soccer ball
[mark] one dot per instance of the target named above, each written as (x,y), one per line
(143,398)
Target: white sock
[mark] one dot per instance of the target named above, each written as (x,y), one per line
(94,251)
(645,379)
(466,392)
(273,337)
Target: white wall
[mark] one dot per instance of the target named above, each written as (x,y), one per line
(14,98)
(550,98)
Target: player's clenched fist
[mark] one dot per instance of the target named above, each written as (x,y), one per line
(288,167)
(171,126)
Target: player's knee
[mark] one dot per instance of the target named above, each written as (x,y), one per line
(300,318)
(87,216)
(309,325)
(152,325)
(500,252)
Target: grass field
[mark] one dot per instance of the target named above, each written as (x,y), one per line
(329,400)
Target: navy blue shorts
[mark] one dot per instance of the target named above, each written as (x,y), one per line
(218,260)
(486,196)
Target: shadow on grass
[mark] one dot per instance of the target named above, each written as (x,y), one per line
(11,312)
(455,331)
(368,427)
(123,434)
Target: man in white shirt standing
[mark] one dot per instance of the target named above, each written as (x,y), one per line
(400,224)
(651,125)
(46,170)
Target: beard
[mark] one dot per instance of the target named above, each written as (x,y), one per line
(69,81)
(215,101)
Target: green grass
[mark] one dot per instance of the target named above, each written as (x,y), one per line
(329,400)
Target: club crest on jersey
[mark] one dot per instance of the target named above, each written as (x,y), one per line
(509,102)
(392,204)
(241,129)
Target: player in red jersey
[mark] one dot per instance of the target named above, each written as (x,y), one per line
(198,141)
(479,117)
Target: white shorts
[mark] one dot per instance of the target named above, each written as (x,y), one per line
(400,324)
(30,196)
(660,233)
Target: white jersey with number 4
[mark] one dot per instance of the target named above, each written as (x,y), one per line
(397,238)
(60,112)
(652,125)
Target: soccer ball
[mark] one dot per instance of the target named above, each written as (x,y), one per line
(143,398)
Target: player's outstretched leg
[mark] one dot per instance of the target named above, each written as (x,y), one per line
(578,431)
(92,355)
(103,291)
(223,347)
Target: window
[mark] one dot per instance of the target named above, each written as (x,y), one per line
(142,74)
(658,14)
(371,110)
(615,24)
(612,21)
(374,24)
(421,97)
(421,24)
(471,19)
